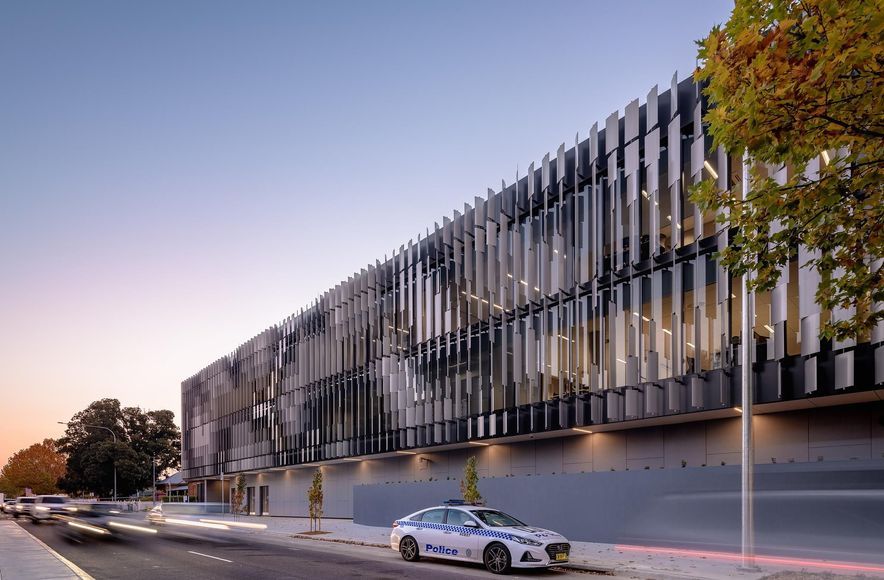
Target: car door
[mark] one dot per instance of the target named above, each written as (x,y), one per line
(429,533)
(461,536)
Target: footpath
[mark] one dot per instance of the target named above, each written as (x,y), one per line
(24,557)
(607,559)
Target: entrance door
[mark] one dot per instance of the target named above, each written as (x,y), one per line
(250,500)
(264,509)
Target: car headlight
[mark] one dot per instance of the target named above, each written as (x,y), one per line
(42,508)
(526,541)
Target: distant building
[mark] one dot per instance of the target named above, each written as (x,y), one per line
(574,321)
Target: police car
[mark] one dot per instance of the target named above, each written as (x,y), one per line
(479,534)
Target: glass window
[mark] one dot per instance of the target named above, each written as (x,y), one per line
(458,517)
(495,518)
(436,516)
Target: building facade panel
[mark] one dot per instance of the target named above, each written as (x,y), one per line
(582,294)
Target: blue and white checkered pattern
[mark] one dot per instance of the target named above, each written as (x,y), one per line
(457,529)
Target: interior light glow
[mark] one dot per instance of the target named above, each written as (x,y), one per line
(581,430)
(478,443)
(711,171)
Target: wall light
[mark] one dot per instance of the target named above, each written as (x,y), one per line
(582,430)
(407,452)
(478,443)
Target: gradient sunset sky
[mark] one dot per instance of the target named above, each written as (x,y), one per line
(177,176)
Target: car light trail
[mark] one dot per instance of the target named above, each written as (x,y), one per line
(237,524)
(177,522)
(133,528)
(88,528)
(782,560)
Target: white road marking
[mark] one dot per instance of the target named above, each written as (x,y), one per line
(212,557)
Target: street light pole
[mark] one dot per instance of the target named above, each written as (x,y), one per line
(747,348)
(115,444)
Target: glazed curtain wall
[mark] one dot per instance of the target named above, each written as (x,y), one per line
(584,292)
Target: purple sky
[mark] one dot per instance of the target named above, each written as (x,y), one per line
(176,177)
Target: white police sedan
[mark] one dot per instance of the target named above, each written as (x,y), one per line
(477,534)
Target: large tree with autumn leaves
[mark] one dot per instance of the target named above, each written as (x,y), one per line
(799,84)
(38,468)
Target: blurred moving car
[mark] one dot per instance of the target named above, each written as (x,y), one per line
(87,521)
(8,506)
(478,534)
(23,506)
(45,507)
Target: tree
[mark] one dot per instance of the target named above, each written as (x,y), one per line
(239,495)
(38,467)
(142,437)
(799,84)
(314,501)
(469,485)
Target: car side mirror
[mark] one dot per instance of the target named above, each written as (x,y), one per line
(470,524)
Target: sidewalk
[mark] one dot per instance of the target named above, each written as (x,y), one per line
(24,557)
(629,561)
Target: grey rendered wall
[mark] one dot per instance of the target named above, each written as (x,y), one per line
(853,433)
(826,505)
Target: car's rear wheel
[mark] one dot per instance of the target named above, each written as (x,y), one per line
(408,549)
(497,558)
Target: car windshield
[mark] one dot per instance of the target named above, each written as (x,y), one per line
(27,500)
(53,500)
(497,519)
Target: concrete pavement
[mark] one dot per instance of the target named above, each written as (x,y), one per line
(23,557)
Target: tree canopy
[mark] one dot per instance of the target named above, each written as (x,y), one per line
(798,84)
(39,467)
(141,438)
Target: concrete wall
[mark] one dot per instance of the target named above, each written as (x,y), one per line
(824,434)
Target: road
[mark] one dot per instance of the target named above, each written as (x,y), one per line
(250,555)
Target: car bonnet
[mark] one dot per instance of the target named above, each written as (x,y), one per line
(533,532)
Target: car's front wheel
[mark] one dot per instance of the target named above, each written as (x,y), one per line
(408,549)
(497,558)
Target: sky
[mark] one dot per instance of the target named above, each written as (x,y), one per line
(176,177)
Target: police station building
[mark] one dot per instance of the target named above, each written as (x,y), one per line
(573,331)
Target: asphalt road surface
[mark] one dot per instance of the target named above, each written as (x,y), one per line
(250,555)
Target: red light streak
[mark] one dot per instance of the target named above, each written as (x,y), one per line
(782,560)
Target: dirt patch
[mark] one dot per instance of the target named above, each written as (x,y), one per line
(312,533)
(307,536)
(582,570)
